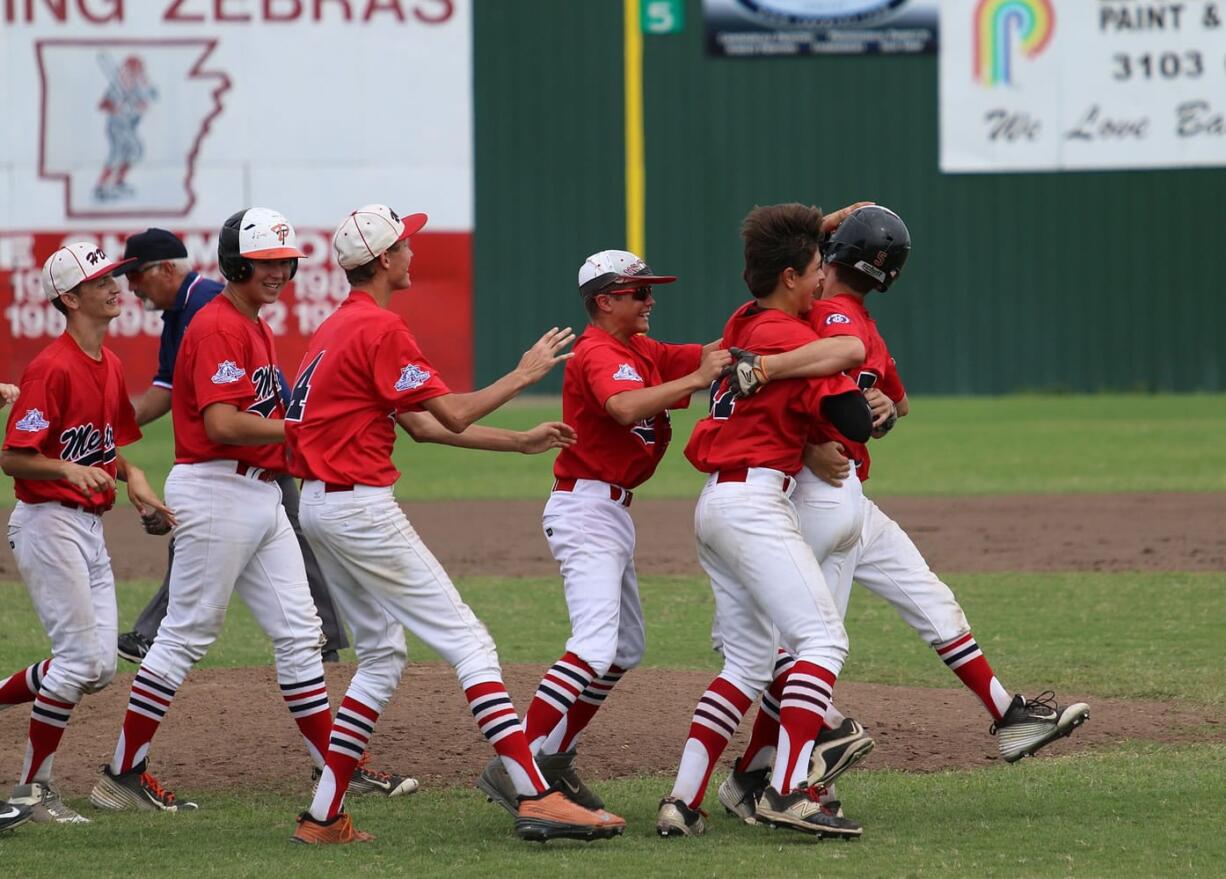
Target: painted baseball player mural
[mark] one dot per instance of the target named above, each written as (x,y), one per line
(127,98)
(160,275)
(767,585)
(61,448)
(616,395)
(233,534)
(855,540)
(362,374)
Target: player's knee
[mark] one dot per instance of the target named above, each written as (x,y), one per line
(104,672)
(378,675)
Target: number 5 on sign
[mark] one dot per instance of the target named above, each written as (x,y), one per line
(662,16)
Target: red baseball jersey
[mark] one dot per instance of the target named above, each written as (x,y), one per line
(602,368)
(72,408)
(770,428)
(225,357)
(361,368)
(845,315)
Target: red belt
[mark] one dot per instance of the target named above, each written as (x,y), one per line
(94,511)
(741,474)
(618,494)
(264,475)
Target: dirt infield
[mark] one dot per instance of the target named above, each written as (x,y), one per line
(428,731)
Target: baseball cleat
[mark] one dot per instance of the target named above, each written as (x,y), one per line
(133,646)
(135,789)
(44,804)
(559,772)
(338,831)
(551,815)
(740,792)
(497,786)
(802,810)
(837,750)
(676,818)
(1029,724)
(372,782)
(12,817)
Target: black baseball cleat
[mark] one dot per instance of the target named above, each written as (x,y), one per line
(133,646)
(1029,724)
(740,792)
(837,750)
(676,818)
(803,811)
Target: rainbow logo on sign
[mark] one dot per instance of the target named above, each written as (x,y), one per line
(1002,29)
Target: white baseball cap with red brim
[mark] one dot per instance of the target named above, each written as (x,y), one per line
(368,232)
(617,268)
(75,264)
(266,234)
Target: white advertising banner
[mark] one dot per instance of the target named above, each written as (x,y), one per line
(1048,85)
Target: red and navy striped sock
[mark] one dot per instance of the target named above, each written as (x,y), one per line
(308,705)
(566,733)
(351,731)
(148,702)
(806,694)
(48,718)
(496,718)
(967,661)
(556,693)
(715,720)
(22,686)
(765,735)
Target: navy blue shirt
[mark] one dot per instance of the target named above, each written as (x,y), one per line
(194,293)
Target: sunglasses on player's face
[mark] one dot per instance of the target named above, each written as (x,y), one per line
(640,294)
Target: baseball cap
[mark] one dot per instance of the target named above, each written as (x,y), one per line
(152,245)
(265,234)
(611,268)
(369,231)
(74,264)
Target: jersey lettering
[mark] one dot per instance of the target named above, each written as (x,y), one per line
(723,402)
(645,429)
(266,391)
(87,445)
(302,389)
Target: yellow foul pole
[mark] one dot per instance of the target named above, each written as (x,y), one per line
(635,173)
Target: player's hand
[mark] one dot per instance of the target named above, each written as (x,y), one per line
(156,517)
(545,436)
(829,462)
(713,364)
(545,354)
(747,373)
(88,480)
(831,221)
(885,413)
(8,394)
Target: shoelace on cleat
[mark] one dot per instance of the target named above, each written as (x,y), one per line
(154,787)
(815,793)
(364,768)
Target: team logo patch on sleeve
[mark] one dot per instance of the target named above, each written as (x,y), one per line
(32,422)
(626,373)
(837,319)
(227,373)
(412,377)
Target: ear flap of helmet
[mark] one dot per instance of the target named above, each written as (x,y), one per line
(233,266)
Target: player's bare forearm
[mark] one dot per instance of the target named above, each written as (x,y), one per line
(425,428)
(823,357)
(28,464)
(630,407)
(152,404)
(224,424)
(903,406)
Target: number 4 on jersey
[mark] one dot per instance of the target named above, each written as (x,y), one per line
(302,389)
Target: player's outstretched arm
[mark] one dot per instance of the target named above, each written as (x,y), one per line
(8,394)
(28,464)
(152,404)
(425,428)
(630,407)
(224,424)
(153,513)
(823,357)
(457,412)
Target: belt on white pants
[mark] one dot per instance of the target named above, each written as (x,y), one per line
(615,493)
(776,478)
(319,490)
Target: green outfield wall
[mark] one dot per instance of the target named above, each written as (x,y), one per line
(1083,282)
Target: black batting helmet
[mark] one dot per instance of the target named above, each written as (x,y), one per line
(874,241)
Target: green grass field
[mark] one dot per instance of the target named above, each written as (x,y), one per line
(1135,809)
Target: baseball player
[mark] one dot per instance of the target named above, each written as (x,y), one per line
(127,98)
(161,277)
(361,374)
(768,586)
(61,450)
(855,540)
(233,533)
(616,394)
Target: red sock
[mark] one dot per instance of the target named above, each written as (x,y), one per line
(715,720)
(22,686)
(350,736)
(806,694)
(496,718)
(148,703)
(586,706)
(556,693)
(967,661)
(308,704)
(48,718)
